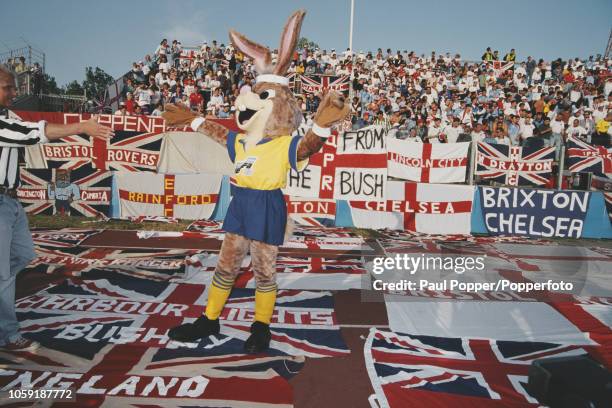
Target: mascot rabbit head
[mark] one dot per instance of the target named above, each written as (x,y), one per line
(270,109)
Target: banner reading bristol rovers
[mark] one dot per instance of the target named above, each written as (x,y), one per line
(535,213)
(135,146)
(185,196)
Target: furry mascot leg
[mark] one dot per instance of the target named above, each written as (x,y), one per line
(263,257)
(233,251)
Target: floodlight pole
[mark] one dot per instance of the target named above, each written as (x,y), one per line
(352,77)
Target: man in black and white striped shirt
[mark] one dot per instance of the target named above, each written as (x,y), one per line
(16,247)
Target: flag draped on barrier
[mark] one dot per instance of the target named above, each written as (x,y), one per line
(583,157)
(427,163)
(83,191)
(420,207)
(187,196)
(514,165)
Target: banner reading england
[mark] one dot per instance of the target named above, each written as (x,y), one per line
(185,196)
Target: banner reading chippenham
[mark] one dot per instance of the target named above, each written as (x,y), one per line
(184,196)
(427,162)
(534,213)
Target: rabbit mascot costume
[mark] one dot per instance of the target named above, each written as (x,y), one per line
(262,155)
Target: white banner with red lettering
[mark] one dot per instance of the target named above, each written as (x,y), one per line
(361,165)
(426,162)
(419,207)
(350,166)
(183,196)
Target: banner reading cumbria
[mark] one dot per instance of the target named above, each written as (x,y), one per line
(534,212)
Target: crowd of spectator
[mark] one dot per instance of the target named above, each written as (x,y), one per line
(29,77)
(437,98)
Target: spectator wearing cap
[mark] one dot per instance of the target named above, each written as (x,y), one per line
(225,112)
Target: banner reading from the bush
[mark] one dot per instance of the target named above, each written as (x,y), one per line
(361,165)
(317,179)
(420,207)
(514,165)
(534,213)
(427,162)
(83,191)
(184,196)
(350,166)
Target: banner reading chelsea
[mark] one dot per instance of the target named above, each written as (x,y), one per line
(533,212)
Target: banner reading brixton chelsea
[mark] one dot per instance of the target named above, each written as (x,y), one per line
(534,213)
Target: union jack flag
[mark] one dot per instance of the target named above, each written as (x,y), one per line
(93,186)
(319,83)
(514,165)
(120,345)
(207,226)
(154,264)
(583,157)
(206,262)
(603,183)
(64,238)
(422,371)
(316,212)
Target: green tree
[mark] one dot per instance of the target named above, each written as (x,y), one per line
(74,88)
(305,42)
(95,83)
(49,86)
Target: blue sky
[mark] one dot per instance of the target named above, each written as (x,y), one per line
(112,34)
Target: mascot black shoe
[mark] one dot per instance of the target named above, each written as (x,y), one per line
(259,340)
(191,332)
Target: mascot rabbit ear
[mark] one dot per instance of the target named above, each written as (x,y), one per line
(259,53)
(289,40)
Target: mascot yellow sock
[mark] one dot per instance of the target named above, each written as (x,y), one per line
(265,297)
(217,296)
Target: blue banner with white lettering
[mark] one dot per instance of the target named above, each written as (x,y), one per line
(533,212)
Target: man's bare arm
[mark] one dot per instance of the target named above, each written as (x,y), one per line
(90,127)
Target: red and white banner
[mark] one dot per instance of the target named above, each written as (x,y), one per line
(317,179)
(350,166)
(361,165)
(426,162)
(185,196)
(311,211)
(420,207)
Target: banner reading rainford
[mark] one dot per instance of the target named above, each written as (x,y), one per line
(184,196)
(534,213)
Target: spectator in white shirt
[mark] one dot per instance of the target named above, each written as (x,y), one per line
(434,130)
(453,131)
(526,129)
(577,131)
